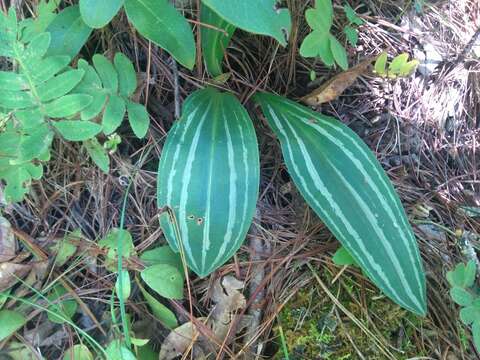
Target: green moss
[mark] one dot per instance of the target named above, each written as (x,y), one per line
(313,330)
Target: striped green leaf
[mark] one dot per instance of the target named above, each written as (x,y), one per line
(345,185)
(214,41)
(209,178)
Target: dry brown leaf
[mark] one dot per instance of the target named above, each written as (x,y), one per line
(334,87)
(8,245)
(11,272)
(179,340)
(36,336)
(15,267)
(228,300)
(33,279)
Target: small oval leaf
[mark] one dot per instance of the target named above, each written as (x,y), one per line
(342,257)
(397,64)
(62,309)
(339,53)
(78,352)
(47,68)
(97,14)
(162,24)
(16,99)
(68,32)
(162,255)
(127,77)
(124,287)
(12,81)
(381,64)
(11,321)
(160,311)
(321,16)
(256,16)
(116,350)
(59,85)
(98,154)
(107,72)
(165,280)
(138,119)
(113,115)
(317,44)
(461,296)
(77,130)
(470,273)
(67,105)
(469,314)
(476,334)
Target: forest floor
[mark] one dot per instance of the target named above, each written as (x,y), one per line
(424,130)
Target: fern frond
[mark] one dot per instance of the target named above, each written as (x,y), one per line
(44,96)
(35,93)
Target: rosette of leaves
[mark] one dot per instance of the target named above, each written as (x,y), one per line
(208,180)
(37,101)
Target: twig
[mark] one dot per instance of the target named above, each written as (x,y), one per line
(447,66)
(44,256)
(467,49)
(199,44)
(176,87)
(257,247)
